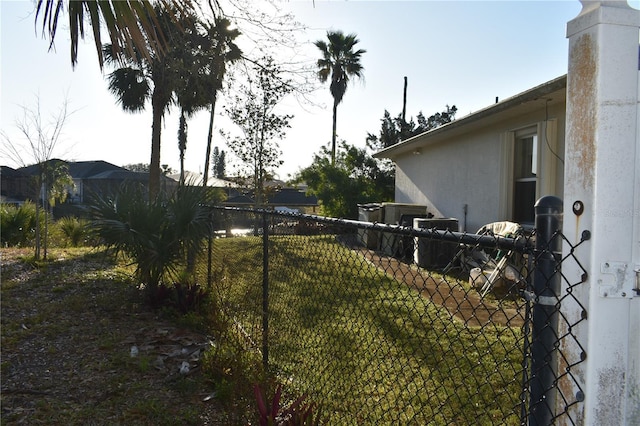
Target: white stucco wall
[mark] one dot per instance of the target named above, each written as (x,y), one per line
(447,176)
(474,169)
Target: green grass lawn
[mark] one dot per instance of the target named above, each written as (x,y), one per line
(367,347)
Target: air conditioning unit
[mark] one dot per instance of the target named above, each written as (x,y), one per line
(393,214)
(432,253)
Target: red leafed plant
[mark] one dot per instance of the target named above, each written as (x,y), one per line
(298,413)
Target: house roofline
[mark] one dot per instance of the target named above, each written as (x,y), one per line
(532,94)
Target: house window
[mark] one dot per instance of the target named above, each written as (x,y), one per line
(525,177)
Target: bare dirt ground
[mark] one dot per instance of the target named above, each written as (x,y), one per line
(462,303)
(78,347)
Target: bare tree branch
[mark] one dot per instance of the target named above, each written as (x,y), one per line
(39,138)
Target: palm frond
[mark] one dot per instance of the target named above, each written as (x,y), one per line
(131,25)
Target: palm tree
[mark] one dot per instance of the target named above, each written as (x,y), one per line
(220,51)
(154,78)
(203,60)
(340,62)
(190,87)
(131,25)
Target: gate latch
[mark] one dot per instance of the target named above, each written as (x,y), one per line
(622,284)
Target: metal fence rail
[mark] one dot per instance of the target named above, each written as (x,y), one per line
(384,324)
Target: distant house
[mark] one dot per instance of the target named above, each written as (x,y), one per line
(99,177)
(491,165)
(192,178)
(238,199)
(15,186)
(89,178)
(293,199)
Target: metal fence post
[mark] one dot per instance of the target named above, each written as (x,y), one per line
(546,285)
(212,228)
(265,290)
(209,260)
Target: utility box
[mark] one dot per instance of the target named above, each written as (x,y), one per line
(369,213)
(432,253)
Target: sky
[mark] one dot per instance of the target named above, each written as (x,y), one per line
(462,53)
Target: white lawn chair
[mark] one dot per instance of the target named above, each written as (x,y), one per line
(475,257)
(501,229)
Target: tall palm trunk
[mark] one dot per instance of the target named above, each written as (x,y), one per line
(333,136)
(205,179)
(154,168)
(182,142)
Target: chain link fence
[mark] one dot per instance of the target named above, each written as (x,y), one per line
(390,324)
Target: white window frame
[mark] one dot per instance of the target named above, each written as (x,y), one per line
(519,137)
(546,167)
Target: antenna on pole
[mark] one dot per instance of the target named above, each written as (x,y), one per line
(404,103)
(403,124)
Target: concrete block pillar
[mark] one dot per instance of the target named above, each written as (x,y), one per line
(602,198)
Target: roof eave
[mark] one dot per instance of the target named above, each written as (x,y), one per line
(519,99)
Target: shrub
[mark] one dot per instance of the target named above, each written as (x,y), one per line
(160,235)
(18,224)
(74,229)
